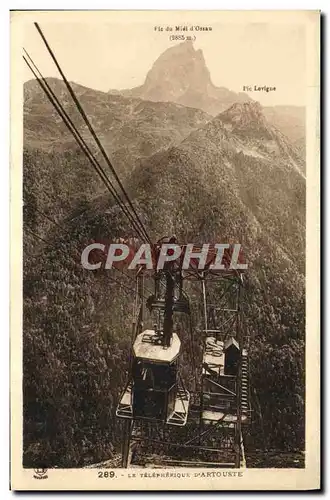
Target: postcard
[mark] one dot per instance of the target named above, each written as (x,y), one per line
(165,274)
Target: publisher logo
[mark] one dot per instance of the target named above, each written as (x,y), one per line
(40,473)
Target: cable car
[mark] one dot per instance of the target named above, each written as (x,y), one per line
(219,378)
(156,391)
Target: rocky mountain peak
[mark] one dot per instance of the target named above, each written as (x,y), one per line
(180,75)
(247,118)
(177,70)
(244,112)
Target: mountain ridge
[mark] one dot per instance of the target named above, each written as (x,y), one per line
(217,151)
(180,75)
(129,128)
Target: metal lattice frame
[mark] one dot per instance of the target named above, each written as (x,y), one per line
(219,443)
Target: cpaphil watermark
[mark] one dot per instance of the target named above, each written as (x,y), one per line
(215,257)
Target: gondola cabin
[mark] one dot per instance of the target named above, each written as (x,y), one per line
(155,391)
(220,377)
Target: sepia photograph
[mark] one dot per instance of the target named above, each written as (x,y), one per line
(160,184)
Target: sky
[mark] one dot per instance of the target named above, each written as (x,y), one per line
(118,55)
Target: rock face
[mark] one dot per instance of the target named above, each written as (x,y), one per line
(246,118)
(180,75)
(248,123)
(176,71)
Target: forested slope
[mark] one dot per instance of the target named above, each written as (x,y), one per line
(235,179)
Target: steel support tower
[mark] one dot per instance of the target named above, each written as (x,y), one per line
(207,431)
